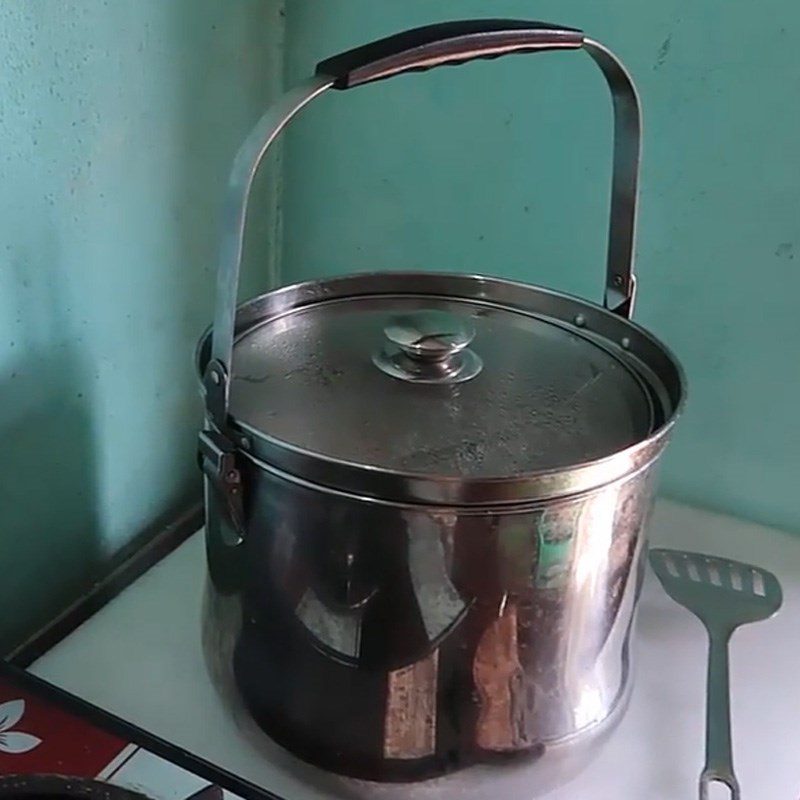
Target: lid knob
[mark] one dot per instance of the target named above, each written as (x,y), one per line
(429,346)
(430,335)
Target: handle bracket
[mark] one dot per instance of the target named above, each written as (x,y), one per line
(217,456)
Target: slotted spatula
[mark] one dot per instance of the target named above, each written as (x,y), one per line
(723,595)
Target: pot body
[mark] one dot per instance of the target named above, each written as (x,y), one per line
(403,643)
(427,493)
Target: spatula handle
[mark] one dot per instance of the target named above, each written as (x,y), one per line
(719,755)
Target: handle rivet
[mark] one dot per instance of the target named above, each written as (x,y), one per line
(626,342)
(244,442)
(580,320)
(618,281)
(215,379)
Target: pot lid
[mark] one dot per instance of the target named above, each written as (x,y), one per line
(448,387)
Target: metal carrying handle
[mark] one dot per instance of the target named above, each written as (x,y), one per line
(414,50)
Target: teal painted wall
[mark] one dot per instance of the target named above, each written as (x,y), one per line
(503,167)
(118,124)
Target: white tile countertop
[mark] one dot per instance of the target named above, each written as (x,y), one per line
(140,658)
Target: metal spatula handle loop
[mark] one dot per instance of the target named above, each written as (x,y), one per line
(723,594)
(719,752)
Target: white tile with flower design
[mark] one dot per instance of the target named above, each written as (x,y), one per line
(15,741)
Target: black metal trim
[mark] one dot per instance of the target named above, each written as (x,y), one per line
(131,733)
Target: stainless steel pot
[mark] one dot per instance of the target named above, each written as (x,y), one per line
(426,493)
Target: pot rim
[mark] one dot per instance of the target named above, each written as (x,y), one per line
(520,507)
(655,365)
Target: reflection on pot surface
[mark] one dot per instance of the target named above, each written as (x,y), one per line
(397,644)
